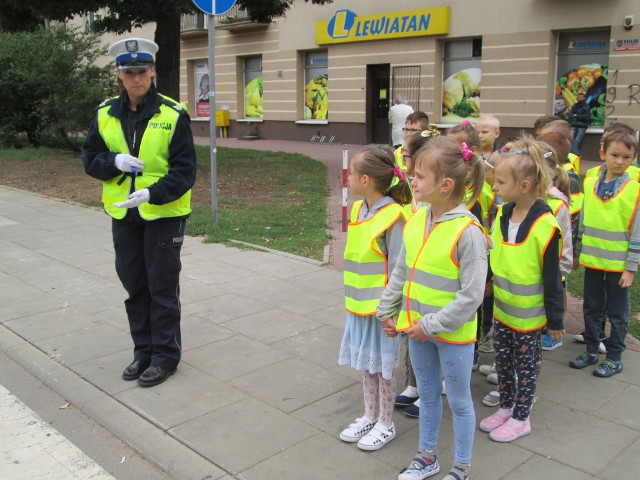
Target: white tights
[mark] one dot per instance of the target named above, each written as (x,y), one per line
(379,397)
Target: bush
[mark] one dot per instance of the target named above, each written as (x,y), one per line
(50,85)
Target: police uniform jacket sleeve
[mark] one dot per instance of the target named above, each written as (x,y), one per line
(98,161)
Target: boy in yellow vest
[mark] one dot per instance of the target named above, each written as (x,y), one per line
(416,122)
(609,249)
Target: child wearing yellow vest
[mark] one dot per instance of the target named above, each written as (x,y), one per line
(408,399)
(433,295)
(526,282)
(558,197)
(374,240)
(415,122)
(485,209)
(609,249)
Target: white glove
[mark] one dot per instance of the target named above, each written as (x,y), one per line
(135,199)
(127,163)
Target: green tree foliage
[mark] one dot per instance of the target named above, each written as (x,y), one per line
(50,85)
(128,14)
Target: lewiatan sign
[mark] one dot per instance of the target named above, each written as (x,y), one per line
(346,26)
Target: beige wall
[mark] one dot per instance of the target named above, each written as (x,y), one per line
(518,58)
(146,31)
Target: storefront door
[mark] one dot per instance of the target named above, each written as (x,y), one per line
(378,104)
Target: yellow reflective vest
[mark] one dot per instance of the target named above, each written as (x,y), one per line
(555,204)
(575,202)
(366,269)
(399,159)
(487,200)
(434,277)
(574,162)
(517,275)
(154,152)
(633,171)
(605,241)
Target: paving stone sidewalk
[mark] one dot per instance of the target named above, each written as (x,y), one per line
(259,394)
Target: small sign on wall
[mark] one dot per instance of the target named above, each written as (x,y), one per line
(626,44)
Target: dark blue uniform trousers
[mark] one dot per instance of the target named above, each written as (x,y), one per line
(148,265)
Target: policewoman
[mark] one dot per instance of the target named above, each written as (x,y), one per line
(140,146)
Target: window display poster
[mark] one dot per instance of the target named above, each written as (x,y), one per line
(461,95)
(201,82)
(253,87)
(590,79)
(253,99)
(316,90)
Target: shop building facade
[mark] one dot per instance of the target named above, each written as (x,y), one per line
(332,71)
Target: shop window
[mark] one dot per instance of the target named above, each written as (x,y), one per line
(582,67)
(462,64)
(253,89)
(316,81)
(406,81)
(201,83)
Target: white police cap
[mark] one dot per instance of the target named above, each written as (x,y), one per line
(133,53)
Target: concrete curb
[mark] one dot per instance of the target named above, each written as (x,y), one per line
(318,263)
(174,457)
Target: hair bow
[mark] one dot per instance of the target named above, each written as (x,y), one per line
(431,131)
(467,154)
(466,121)
(397,171)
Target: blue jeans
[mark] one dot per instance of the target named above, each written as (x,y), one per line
(431,360)
(601,290)
(576,140)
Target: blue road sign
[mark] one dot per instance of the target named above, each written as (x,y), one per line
(215,7)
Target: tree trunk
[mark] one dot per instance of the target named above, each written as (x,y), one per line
(167,37)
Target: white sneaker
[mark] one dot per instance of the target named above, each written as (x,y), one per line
(488,369)
(378,437)
(580,339)
(444,388)
(491,399)
(493,378)
(357,430)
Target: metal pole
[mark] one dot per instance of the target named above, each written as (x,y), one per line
(345,179)
(212,120)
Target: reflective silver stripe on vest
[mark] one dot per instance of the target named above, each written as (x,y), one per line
(519,312)
(602,253)
(363,294)
(518,288)
(369,268)
(606,234)
(436,282)
(421,308)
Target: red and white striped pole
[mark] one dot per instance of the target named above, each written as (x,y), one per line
(345,176)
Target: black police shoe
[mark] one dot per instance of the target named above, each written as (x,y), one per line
(134,370)
(155,375)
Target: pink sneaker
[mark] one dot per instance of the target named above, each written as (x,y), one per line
(494,421)
(511,430)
